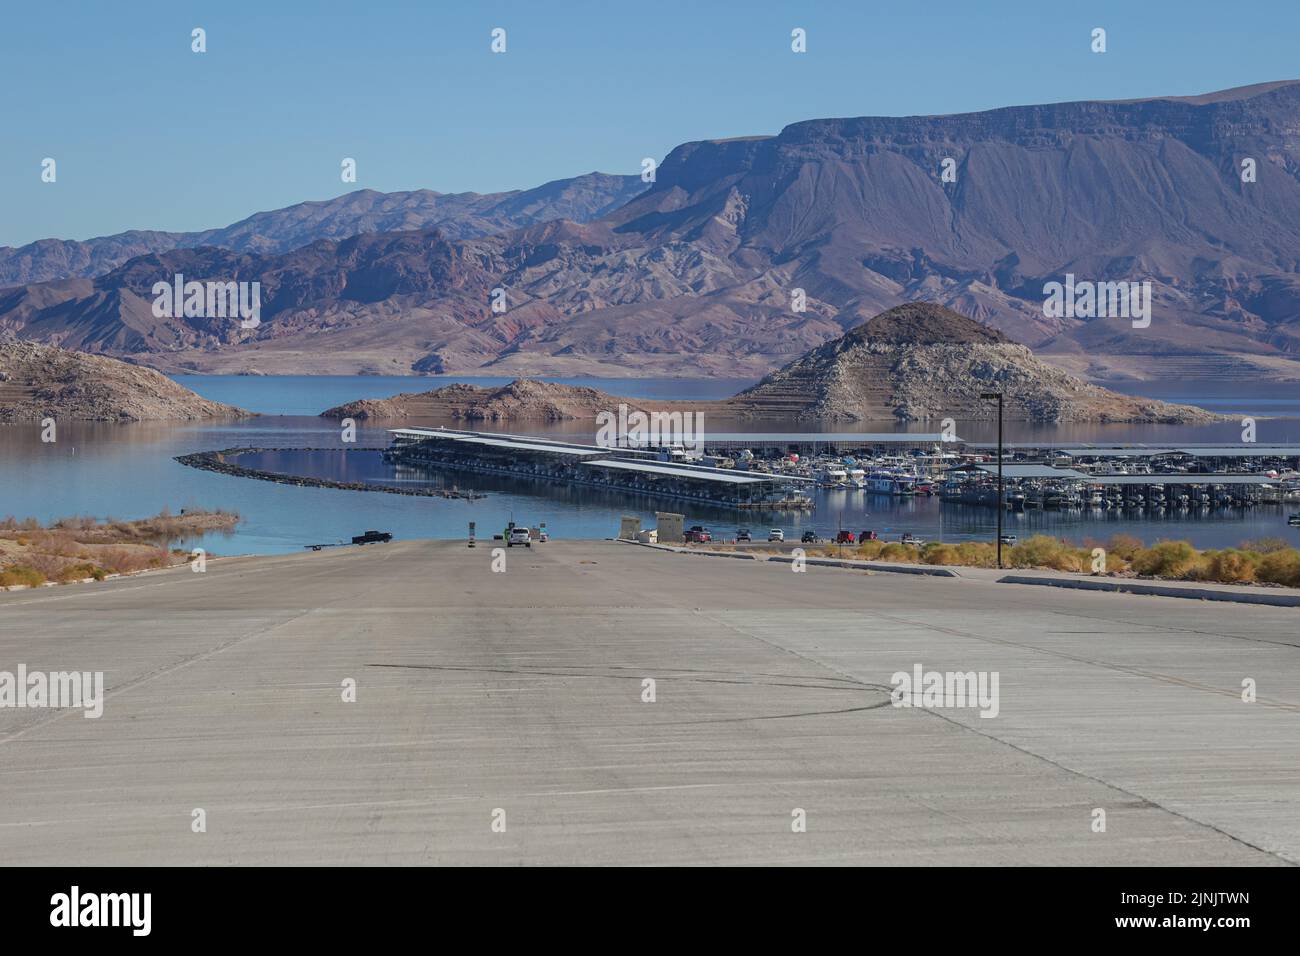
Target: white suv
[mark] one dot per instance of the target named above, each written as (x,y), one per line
(776,534)
(519,536)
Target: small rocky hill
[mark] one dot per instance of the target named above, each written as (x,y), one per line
(39,381)
(922,362)
(521,400)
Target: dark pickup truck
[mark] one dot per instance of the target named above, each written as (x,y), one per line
(370,537)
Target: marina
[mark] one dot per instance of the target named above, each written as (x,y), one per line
(316,488)
(777,478)
(650,471)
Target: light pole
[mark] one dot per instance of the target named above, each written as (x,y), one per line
(1002,495)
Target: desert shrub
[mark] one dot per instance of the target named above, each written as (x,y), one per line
(894,551)
(79,572)
(1280,567)
(59,543)
(21,574)
(1114,563)
(1166,559)
(1230,566)
(978,554)
(1265,545)
(870,550)
(50,566)
(124,560)
(1044,551)
(1123,546)
(74,523)
(936,553)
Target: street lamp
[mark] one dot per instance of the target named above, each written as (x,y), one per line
(1002,495)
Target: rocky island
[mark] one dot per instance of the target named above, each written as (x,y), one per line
(915,362)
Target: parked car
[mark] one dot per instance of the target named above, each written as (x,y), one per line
(1009,539)
(909,538)
(697,536)
(519,536)
(776,534)
(868,536)
(371,537)
(809,537)
(844,537)
(743,535)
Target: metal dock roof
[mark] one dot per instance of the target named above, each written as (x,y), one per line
(1243,451)
(1137,450)
(517,442)
(1027,471)
(677,471)
(1181,479)
(866,438)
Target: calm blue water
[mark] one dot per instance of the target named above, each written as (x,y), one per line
(127,471)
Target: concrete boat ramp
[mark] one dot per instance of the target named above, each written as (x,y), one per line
(504,718)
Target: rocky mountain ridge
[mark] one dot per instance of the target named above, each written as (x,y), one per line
(705,272)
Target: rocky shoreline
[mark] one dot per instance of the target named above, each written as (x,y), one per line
(215,461)
(42,381)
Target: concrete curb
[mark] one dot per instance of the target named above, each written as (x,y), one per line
(924,569)
(673,550)
(1160,590)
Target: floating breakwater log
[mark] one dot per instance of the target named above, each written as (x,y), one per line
(215,461)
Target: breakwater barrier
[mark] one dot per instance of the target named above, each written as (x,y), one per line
(216,461)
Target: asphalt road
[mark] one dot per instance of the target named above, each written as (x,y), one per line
(522,692)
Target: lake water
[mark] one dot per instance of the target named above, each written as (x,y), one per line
(127,471)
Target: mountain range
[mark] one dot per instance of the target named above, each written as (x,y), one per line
(456,215)
(700,273)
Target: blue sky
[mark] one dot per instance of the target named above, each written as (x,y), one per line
(147,134)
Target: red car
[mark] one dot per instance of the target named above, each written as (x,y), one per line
(696,537)
(844,537)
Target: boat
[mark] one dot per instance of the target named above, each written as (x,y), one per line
(884,482)
(833,478)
